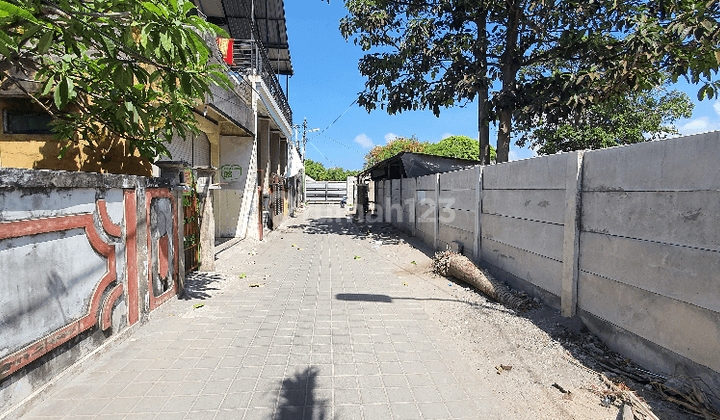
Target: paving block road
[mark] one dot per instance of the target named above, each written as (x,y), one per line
(329,333)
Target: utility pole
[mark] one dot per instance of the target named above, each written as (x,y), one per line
(304,142)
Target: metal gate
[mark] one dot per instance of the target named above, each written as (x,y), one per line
(325,191)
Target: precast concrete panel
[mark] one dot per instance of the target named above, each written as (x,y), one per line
(540,271)
(540,238)
(460,219)
(465,179)
(425,213)
(684,164)
(541,205)
(19,205)
(424,236)
(539,173)
(426,183)
(407,187)
(396,195)
(427,227)
(685,218)
(678,272)
(448,234)
(55,290)
(459,199)
(425,198)
(685,329)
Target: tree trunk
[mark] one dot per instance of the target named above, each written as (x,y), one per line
(504,135)
(509,62)
(483,105)
(459,266)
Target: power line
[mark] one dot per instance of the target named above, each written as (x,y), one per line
(336,119)
(343,144)
(321,153)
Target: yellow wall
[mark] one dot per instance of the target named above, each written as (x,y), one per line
(41,151)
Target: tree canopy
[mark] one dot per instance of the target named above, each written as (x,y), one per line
(632,118)
(461,147)
(318,172)
(432,54)
(393,147)
(130,69)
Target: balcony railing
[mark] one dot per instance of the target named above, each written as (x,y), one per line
(250,57)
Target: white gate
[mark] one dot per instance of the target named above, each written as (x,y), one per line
(325,191)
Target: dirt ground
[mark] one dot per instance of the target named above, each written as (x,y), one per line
(537,363)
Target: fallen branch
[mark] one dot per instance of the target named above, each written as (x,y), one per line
(640,409)
(694,402)
(448,263)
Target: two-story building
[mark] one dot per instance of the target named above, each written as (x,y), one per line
(246,140)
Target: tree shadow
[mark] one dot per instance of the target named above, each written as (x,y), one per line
(369,297)
(201,285)
(298,400)
(111,155)
(367,229)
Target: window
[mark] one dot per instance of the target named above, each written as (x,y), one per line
(17,122)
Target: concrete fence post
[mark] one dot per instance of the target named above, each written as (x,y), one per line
(399,220)
(571,239)
(387,200)
(413,217)
(477,243)
(177,194)
(436,224)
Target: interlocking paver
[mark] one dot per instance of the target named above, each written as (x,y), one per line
(327,336)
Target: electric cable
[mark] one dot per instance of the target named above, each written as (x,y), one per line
(343,144)
(321,153)
(336,119)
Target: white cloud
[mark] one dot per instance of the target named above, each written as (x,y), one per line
(512,156)
(390,137)
(716,105)
(446,135)
(698,125)
(364,141)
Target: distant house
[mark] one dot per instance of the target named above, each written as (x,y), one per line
(402,165)
(411,164)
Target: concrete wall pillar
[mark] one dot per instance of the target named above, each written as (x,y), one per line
(477,244)
(274,152)
(283,151)
(207,227)
(436,217)
(263,136)
(571,238)
(177,194)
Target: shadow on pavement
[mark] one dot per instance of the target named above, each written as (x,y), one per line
(199,285)
(298,400)
(345,226)
(367,297)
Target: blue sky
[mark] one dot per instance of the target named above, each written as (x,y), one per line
(327,81)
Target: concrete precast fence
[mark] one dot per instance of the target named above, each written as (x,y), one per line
(84,258)
(626,238)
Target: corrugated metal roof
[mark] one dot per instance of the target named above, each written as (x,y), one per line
(411,165)
(235,17)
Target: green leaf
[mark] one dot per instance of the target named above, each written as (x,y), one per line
(48,87)
(7,9)
(154,9)
(185,84)
(60,95)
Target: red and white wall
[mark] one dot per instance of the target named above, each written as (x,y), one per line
(83,257)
